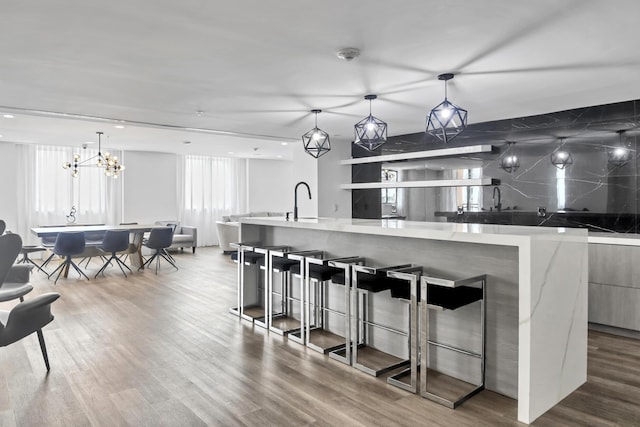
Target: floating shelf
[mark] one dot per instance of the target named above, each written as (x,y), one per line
(422,184)
(445,152)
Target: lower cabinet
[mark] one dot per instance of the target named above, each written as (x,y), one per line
(614,285)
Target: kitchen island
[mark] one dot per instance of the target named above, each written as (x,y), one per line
(536,289)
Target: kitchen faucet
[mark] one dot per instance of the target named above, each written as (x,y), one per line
(295,198)
(498,205)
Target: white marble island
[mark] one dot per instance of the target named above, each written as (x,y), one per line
(536,298)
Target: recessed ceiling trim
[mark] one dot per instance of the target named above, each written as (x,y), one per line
(61,115)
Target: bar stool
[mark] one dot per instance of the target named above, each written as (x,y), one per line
(369,280)
(280,319)
(320,273)
(238,258)
(261,260)
(408,292)
(343,354)
(443,294)
(299,270)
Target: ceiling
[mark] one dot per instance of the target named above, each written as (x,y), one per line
(242,76)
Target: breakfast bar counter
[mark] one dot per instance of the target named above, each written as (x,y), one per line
(536,330)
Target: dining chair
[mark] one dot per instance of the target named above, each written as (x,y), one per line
(68,244)
(159,240)
(114,241)
(14,279)
(26,318)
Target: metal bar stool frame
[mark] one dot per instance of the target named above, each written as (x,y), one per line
(412,276)
(240,248)
(319,301)
(360,323)
(425,341)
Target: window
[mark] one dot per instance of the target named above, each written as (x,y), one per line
(389,195)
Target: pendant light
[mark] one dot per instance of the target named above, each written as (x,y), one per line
(446,120)
(620,154)
(561,158)
(111,165)
(371,132)
(316,141)
(510,162)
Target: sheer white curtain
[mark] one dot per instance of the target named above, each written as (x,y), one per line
(49,191)
(211,188)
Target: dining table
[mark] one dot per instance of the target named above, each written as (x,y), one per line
(137,230)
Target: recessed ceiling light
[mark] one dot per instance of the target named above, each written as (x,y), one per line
(0,136)
(284,143)
(278,156)
(231,152)
(119,126)
(187,142)
(8,116)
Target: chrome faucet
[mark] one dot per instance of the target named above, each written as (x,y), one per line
(498,205)
(295,198)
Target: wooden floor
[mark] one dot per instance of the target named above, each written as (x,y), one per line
(163,350)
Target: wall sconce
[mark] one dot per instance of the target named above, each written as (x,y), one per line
(620,154)
(561,158)
(510,161)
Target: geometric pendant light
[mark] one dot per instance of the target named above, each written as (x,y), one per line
(620,154)
(561,158)
(446,120)
(316,141)
(510,162)
(371,132)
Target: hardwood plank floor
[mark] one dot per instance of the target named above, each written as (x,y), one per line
(162,350)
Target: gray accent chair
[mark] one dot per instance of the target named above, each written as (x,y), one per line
(3,226)
(14,279)
(26,318)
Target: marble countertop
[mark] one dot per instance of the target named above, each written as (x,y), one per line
(509,235)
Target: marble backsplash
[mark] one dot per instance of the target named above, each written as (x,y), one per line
(594,191)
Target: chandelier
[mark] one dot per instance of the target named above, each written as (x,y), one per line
(371,132)
(446,120)
(109,163)
(620,154)
(316,141)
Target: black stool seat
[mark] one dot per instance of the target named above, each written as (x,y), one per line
(452,298)
(378,283)
(318,272)
(403,291)
(338,279)
(250,257)
(279,263)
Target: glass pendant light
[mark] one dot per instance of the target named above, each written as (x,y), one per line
(561,158)
(446,120)
(371,132)
(510,161)
(620,154)
(316,142)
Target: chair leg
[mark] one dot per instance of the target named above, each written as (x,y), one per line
(194,249)
(43,347)
(80,272)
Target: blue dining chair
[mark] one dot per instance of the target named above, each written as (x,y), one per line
(67,245)
(114,241)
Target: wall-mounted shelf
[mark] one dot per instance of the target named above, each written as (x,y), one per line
(445,152)
(422,184)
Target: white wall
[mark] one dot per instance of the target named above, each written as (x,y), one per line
(269,184)
(332,201)
(150,187)
(8,187)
